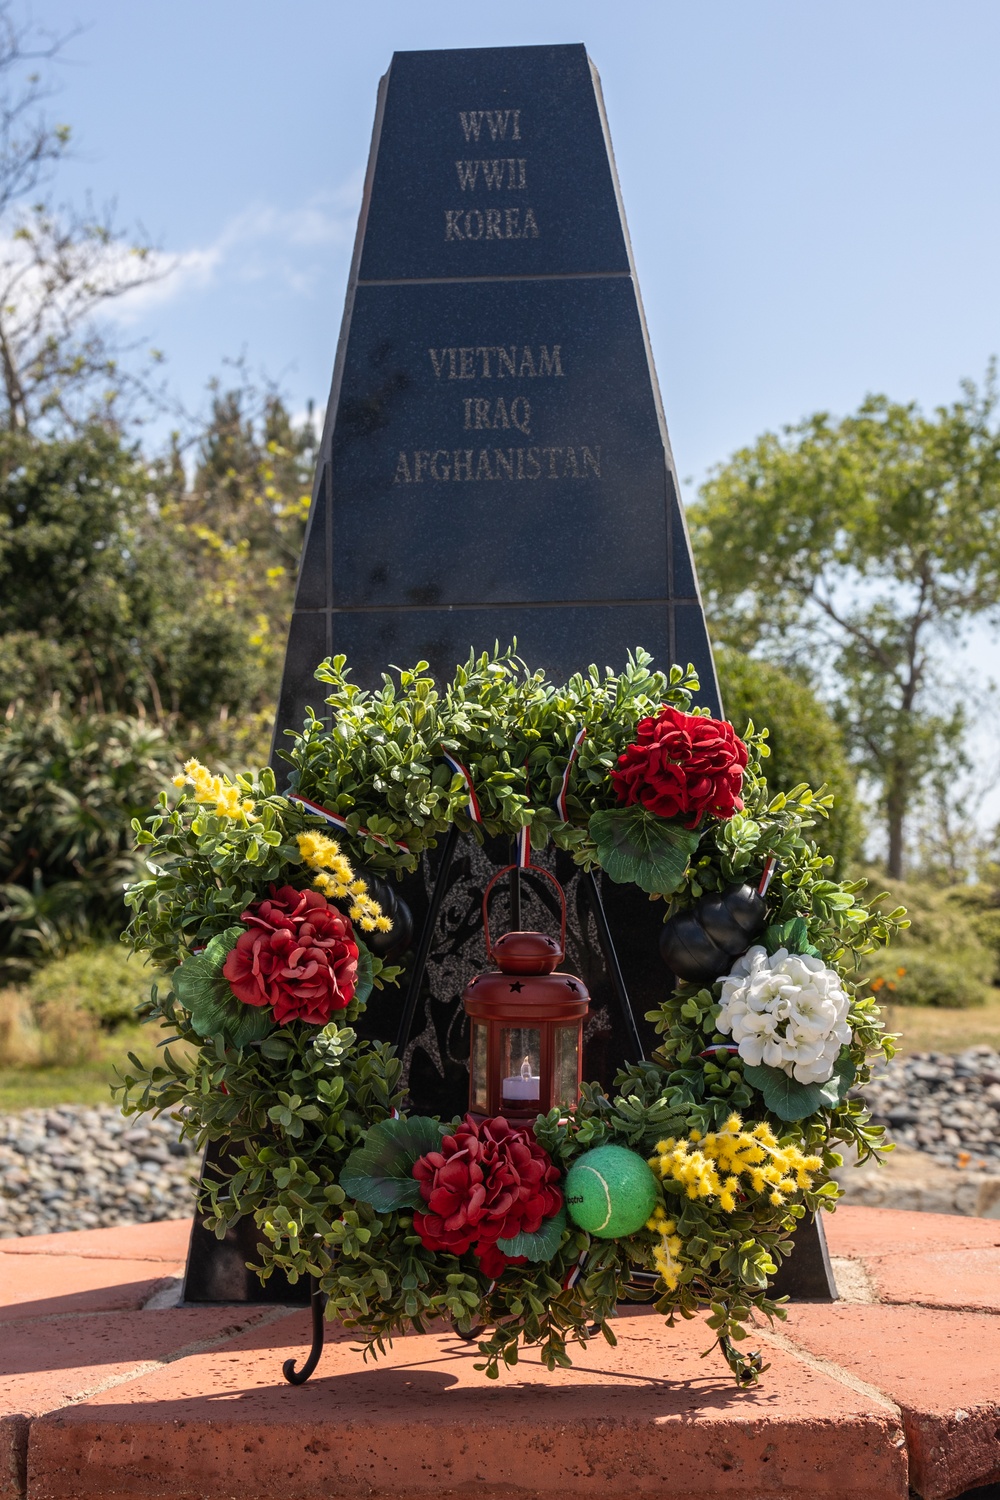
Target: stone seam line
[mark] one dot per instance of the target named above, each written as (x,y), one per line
(21,1424)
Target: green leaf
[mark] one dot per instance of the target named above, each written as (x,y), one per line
(783,1095)
(277,1048)
(635,847)
(835,1090)
(541,1245)
(379,1170)
(366,970)
(793,935)
(218,949)
(202,989)
(246,1023)
(791,1100)
(198,982)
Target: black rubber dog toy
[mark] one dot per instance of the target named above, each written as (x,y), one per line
(702,943)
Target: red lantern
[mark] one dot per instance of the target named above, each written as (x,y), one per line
(526,1051)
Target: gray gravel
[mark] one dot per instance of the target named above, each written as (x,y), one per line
(79,1167)
(946,1106)
(74,1167)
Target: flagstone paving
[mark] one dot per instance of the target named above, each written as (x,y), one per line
(108,1393)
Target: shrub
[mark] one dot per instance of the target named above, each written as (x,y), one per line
(71,1006)
(918,976)
(69,788)
(942,956)
(805,743)
(980,907)
(20,1039)
(58,1034)
(100,980)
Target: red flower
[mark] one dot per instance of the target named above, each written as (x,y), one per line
(682,766)
(298,955)
(488,1182)
(493,1262)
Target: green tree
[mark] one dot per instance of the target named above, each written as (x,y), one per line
(100,598)
(858,551)
(239,527)
(60,363)
(805,743)
(79,574)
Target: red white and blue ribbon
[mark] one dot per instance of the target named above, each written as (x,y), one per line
(459,769)
(576,1272)
(581,735)
(522,843)
(337,821)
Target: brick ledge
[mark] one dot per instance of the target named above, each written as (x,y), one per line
(894,1391)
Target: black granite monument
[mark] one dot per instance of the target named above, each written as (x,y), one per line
(494,465)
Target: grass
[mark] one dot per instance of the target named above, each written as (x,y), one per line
(929,1028)
(84,1083)
(922,1028)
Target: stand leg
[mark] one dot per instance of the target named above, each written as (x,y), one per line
(614,968)
(426,938)
(317,1300)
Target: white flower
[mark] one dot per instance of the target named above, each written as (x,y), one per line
(788,1011)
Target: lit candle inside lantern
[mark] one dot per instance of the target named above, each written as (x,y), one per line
(522,1086)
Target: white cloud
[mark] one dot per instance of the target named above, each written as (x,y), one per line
(262,243)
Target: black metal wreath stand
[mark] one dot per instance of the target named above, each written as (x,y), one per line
(317,1302)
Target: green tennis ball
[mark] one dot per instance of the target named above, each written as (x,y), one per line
(610,1191)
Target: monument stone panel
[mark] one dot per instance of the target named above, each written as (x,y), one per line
(494,465)
(495,462)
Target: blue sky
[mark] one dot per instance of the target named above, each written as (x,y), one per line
(811,189)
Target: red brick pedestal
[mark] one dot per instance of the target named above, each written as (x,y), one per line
(894,1389)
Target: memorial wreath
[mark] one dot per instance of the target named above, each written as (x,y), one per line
(266,912)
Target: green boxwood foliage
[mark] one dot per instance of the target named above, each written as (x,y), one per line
(296,1104)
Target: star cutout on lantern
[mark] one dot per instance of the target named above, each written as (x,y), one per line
(571,984)
(517,988)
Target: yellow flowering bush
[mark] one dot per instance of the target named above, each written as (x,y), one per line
(216,792)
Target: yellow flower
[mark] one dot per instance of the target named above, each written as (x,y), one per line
(324,854)
(208,789)
(318,851)
(667,1254)
(755,1156)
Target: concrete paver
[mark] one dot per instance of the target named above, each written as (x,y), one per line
(40,1285)
(647,1418)
(941,1368)
(858,1232)
(165,1240)
(49,1362)
(104,1397)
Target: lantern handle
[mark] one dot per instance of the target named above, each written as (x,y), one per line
(524,870)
